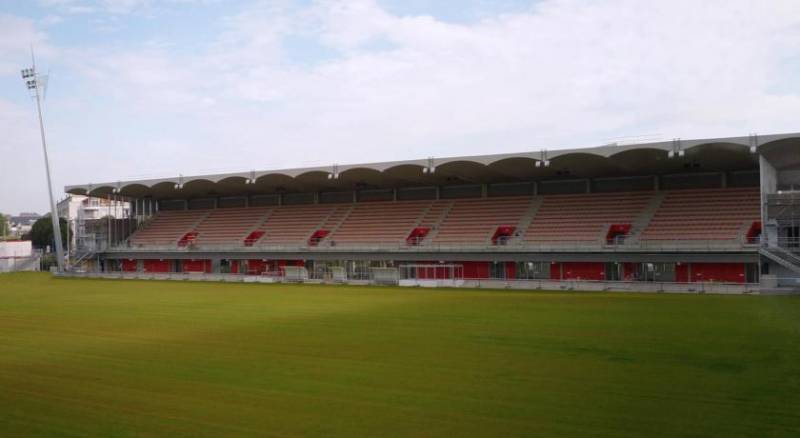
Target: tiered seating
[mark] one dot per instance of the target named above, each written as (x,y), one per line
(704,214)
(229,225)
(167,227)
(476,220)
(434,214)
(294,224)
(584,217)
(696,214)
(379,222)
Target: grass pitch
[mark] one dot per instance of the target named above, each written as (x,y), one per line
(124,358)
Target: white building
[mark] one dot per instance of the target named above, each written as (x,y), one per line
(78,209)
(18,256)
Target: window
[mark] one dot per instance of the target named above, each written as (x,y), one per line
(533,270)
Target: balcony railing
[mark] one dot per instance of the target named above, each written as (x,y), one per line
(619,244)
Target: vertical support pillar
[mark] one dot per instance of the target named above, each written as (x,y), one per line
(588,185)
(724,180)
(108,220)
(656,182)
(484,190)
(438,193)
(535,188)
(394,194)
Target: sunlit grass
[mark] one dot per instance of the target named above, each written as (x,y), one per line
(104,357)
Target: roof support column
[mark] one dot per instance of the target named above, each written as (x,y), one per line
(724,180)
(108,221)
(394,194)
(588,185)
(535,188)
(656,182)
(484,190)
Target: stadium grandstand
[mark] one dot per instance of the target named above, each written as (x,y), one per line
(682,212)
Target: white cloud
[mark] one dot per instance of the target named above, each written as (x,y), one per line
(563,73)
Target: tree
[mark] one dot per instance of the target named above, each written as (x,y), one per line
(42,232)
(4,231)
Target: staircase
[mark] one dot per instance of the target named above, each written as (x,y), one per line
(335,220)
(527,218)
(81,257)
(782,257)
(436,222)
(645,217)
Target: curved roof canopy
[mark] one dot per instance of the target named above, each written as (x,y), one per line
(615,160)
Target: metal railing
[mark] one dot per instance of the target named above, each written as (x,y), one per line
(620,244)
(491,283)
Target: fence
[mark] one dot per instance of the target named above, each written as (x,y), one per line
(16,264)
(543,285)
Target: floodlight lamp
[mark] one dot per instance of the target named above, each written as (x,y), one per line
(681,153)
(538,164)
(671,154)
(432,170)
(753,149)
(31,84)
(546,163)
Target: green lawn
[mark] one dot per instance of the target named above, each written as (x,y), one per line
(121,358)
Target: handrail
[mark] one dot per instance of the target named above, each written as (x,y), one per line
(511,245)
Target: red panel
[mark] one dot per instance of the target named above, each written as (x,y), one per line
(720,272)
(682,272)
(478,270)
(129,265)
(503,232)
(584,271)
(417,235)
(256,267)
(754,233)
(629,271)
(234,266)
(253,237)
(156,266)
(616,230)
(511,270)
(555,271)
(317,236)
(196,266)
(188,238)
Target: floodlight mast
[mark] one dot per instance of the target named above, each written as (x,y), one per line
(34,84)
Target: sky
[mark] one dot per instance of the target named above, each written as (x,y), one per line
(149,88)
